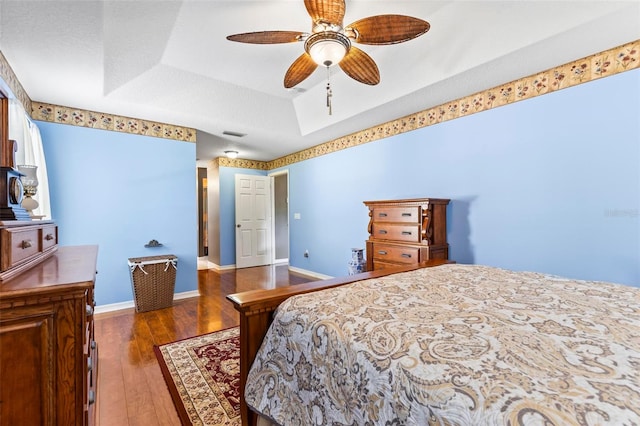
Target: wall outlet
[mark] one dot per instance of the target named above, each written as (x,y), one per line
(306,253)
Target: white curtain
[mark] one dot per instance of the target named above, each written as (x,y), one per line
(30,152)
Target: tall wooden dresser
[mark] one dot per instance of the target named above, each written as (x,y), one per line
(48,355)
(403,232)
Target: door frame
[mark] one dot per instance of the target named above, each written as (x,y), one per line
(273,218)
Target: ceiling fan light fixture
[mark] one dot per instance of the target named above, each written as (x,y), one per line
(330,42)
(327,48)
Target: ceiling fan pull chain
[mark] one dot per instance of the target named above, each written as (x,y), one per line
(329,94)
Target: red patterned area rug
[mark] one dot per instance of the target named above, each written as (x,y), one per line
(203,376)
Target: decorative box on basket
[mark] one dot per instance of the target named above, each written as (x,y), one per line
(153,279)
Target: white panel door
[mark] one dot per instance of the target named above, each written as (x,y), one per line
(253,220)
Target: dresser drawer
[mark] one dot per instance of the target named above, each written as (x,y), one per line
(24,244)
(387,231)
(398,254)
(21,245)
(396,214)
(48,236)
(378,265)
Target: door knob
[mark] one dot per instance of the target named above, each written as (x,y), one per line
(238,226)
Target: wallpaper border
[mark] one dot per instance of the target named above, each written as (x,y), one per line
(603,64)
(12,82)
(607,63)
(116,123)
(85,118)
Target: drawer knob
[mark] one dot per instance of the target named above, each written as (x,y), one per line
(382,252)
(382,231)
(382,215)
(26,244)
(48,237)
(93,344)
(406,232)
(89,364)
(406,214)
(92,397)
(406,255)
(89,310)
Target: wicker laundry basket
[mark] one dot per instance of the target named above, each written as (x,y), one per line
(153,279)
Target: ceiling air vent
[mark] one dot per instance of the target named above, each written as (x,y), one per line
(236,134)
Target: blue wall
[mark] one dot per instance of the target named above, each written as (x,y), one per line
(119,191)
(551,184)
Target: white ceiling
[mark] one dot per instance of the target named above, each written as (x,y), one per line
(169,61)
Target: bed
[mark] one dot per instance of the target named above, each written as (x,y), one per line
(445,345)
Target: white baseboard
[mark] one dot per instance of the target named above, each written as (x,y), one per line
(204,263)
(112,307)
(186,295)
(212,265)
(225,267)
(310,273)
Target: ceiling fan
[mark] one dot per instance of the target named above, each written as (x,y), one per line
(331,43)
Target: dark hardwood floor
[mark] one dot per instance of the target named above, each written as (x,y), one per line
(131,390)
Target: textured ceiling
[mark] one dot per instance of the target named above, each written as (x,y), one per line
(169,61)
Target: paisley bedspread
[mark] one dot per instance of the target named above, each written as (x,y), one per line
(453,345)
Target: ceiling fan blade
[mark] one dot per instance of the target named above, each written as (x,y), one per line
(359,66)
(299,70)
(267,37)
(329,11)
(387,29)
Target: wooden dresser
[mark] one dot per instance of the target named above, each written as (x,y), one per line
(405,232)
(48,355)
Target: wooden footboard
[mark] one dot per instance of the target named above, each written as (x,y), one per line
(257,306)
